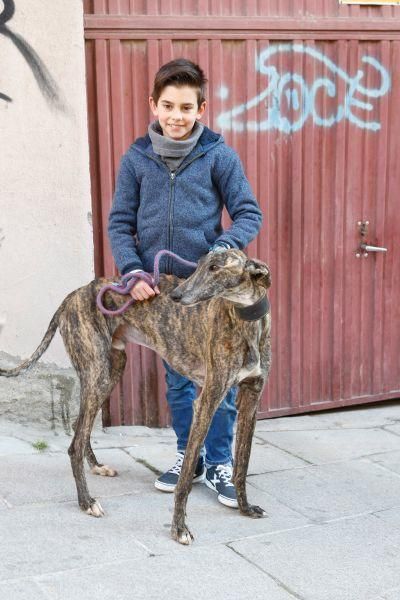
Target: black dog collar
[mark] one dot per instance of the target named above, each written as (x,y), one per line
(254,311)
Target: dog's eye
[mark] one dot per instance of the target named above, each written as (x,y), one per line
(213,267)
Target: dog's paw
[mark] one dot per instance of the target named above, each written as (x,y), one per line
(95,509)
(253,511)
(104,470)
(182,535)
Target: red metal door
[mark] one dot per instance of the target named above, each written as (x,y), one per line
(307,94)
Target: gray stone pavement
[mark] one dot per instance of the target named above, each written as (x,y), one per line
(330,483)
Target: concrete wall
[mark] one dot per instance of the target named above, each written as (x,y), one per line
(46,247)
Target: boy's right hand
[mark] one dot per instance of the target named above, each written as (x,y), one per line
(142,291)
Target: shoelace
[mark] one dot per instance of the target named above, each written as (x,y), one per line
(176,469)
(225,474)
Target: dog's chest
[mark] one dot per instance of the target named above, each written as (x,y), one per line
(252,360)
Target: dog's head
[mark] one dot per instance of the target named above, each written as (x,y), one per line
(230,275)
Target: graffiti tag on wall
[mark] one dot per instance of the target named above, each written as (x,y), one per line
(290,100)
(45,81)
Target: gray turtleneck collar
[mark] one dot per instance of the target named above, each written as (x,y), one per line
(173,152)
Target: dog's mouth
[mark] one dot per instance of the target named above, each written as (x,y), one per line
(187,298)
(185,302)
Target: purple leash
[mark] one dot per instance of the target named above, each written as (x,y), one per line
(127,282)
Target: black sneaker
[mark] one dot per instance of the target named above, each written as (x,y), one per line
(167,482)
(219,479)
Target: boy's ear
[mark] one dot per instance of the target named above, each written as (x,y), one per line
(201,110)
(259,270)
(153,106)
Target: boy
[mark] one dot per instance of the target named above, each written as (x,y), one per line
(171,188)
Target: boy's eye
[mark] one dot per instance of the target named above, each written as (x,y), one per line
(169,107)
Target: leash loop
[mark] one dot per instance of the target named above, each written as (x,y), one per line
(127,281)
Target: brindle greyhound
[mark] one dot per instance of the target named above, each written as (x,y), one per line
(213,327)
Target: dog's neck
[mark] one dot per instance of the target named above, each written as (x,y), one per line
(250,305)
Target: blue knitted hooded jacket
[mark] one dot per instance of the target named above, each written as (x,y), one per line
(155,209)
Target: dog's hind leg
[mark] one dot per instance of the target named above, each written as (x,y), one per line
(247,403)
(98,377)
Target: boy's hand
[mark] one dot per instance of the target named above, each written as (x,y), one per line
(142,291)
(219,247)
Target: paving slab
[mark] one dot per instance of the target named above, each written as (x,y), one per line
(318,447)
(126,431)
(394,427)
(266,458)
(47,538)
(391,595)
(116,437)
(46,477)
(11,446)
(390,516)
(198,574)
(333,490)
(350,559)
(158,454)
(355,417)
(27,589)
(111,437)
(56,440)
(388,460)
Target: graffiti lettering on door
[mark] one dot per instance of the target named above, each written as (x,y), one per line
(45,81)
(291,100)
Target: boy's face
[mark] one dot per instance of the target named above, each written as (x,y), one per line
(177,111)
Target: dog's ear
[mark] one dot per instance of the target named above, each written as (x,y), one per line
(259,271)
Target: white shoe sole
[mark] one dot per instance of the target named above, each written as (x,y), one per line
(168,487)
(223,499)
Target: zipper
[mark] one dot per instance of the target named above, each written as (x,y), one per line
(170,221)
(170,206)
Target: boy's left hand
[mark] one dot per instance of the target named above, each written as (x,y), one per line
(219,247)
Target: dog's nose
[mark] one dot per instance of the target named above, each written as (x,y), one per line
(176,295)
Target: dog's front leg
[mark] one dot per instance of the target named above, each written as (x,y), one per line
(204,408)
(247,403)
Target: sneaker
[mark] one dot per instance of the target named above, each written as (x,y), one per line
(167,482)
(219,479)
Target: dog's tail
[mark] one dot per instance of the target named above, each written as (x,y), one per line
(44,344)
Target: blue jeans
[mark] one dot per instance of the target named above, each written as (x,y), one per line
(218,443)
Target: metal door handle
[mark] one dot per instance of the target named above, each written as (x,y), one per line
(368,248)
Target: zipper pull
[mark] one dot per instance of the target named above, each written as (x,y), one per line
(172,175)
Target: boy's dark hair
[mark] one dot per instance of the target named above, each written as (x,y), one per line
(180,72)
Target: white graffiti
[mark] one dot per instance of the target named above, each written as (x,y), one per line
(290,91)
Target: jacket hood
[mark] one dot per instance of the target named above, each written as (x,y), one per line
(207,140)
